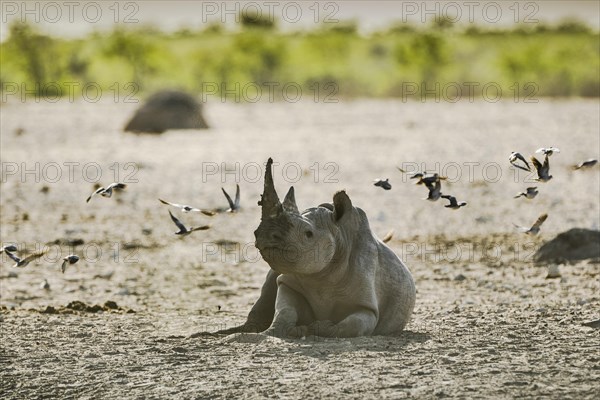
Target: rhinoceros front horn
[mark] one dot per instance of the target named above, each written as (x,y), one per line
(289,202)
(269,200)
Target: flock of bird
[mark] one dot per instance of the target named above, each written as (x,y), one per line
(234,206)
(433,182)
(23,262)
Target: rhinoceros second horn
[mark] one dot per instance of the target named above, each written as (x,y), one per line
(289,202)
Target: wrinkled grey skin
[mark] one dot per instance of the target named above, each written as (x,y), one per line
(330,276)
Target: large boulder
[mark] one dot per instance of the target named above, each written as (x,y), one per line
(167,109)
(572,245)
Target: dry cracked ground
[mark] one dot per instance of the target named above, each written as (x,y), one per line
(132,318)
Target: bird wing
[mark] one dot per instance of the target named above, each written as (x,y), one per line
(208,212)
(388,236)
(100,189)
(170,204)
(539,221)
(401,170)
(520,167)
(231,204)
(200,228)
(117,185)
(541,150)
(13,257)
(177,222)
(521,228)
(451,199)
(237,196)
(520,194)
(63,266)
(34,256)
(536,164)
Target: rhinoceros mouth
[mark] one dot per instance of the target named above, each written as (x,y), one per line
(277,255)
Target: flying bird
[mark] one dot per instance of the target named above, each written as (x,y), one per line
(543,170)
(514,157)
(183,231)
(45,285)
(529,194)
(535,229)
(187,209)
(435,191)
(11,248)
(385,184)
(454,205)
(70,259)
(23,262)
(108,191)
(234,206)
(586,164)
(548,151)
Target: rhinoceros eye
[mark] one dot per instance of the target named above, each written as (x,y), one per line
(308,234)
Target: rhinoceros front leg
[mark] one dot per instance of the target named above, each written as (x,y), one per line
(361,323)
(261,315)
(290,308)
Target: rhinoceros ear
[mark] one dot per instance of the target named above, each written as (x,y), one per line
(341,205)
(289,203)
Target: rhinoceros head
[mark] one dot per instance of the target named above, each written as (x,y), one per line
(301,242)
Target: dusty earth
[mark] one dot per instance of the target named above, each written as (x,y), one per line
(127,321)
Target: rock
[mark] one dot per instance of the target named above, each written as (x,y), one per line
(572,245)
(167,109)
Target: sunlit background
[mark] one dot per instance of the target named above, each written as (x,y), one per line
(344,49)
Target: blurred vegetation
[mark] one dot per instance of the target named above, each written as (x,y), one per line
(560,60)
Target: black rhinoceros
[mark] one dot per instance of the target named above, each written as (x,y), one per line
(330,275)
